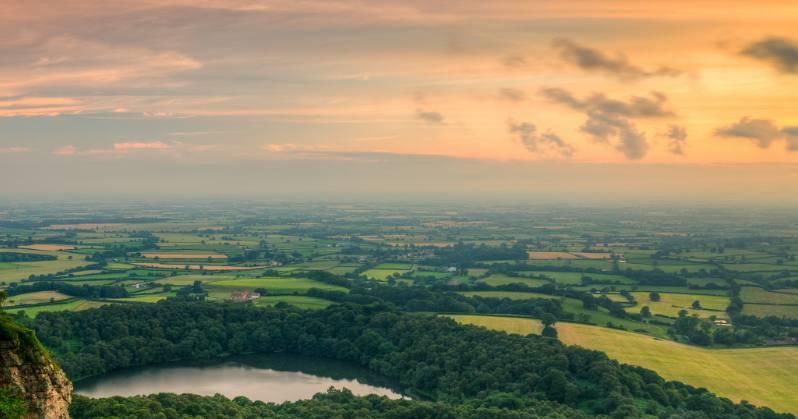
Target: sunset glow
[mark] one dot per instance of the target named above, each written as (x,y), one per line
(228,81)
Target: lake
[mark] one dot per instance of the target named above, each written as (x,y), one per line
(269,378)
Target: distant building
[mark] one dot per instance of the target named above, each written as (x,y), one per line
(241,296)
(451,269)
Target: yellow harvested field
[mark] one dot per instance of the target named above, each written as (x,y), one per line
(762,376)
(183,255)
(587,255)
(38,297)
(515,325)
(199,267)
(48,247)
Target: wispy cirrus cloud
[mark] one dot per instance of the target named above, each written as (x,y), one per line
(67,150)
(15,150)
(138,148)
(132,146)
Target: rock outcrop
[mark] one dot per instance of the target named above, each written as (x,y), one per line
(27,373)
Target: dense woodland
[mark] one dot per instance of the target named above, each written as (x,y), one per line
(24,257)
(431,358)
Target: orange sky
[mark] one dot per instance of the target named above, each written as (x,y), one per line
(221,81)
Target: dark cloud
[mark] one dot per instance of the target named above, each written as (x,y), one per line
(633,143)
(636,106)
(611,119)
(594,60)
(534,141)
(781,52)
(677,139)
(431,117)
(513,95)
(601,127)
(762,131)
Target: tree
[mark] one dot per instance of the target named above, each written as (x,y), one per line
(645,311)
(548,319)
(696,305)
(654,296)
(549,332)
(3,296)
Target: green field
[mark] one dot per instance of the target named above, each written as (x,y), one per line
(575,278)
(670,304)
(183,280)
(146,297)
(762,376)
(702,282)
(15,271)
(764,310)
(508,294)
(275,285)
(499,279)
(383,274)
(760,296)
(300,301)
(73,305)
(600,317)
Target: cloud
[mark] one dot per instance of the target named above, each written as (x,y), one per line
(156,145)
(791,136)
(611,119)
(514,61)
(428,116)
(67,150)
(590,59)
(762,131)
(780,52)
(633,143)
(677,139)
(513,95)
(636,106)
(534,141)
(175,149)
(14,150)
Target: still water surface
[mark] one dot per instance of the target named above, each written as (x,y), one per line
(269,378)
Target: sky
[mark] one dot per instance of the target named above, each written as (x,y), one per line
(575,99)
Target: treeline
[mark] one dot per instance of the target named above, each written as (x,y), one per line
(656,277)
(82,291)
(417,299)
(148,242)
(25,257)
(332,404)
(768,330)
(429,357)
(466,255)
